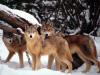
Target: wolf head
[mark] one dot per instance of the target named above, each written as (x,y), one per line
(8,37)
(9,40)
(30,32)
(47,28)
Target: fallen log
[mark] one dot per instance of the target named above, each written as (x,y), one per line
(14,20)
(8,29)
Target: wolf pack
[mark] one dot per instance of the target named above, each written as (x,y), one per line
(68,51)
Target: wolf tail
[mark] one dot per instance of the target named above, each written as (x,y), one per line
(90,48)
(68,53)
(93,47)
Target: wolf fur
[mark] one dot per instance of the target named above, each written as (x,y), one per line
(82,45)
(14,44)
(53,45)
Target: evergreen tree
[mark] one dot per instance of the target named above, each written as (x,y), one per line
(66,14)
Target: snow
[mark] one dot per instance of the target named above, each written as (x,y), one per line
(87,15)
(5,8)
(73,32)
(49,3)
(12,67)
(98,32)
(97,42)
(26,16)
(14,12)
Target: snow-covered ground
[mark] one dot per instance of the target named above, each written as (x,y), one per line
(12,67)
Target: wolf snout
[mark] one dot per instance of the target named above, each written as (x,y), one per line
(46,35)
(30,36)
(10,41)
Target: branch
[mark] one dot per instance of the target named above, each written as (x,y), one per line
(13,20)
(8,29)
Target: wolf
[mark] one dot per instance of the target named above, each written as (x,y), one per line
(82,45)
(14,44)
(37,46)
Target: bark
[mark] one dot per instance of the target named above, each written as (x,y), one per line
(8,29)
(14,21)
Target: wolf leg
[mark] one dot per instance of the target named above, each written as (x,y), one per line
(9,56)
(98,65)
(20,54)
(88,66)
(88,63)
(95,61)
(33,62)
(67,62)
(50,61)
(38,63)
(58,65)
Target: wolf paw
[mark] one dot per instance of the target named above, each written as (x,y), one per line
(98,71)
(84,71)
(21,66)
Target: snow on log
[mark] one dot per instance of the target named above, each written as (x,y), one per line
(13,21)
(17,18)
(31,19)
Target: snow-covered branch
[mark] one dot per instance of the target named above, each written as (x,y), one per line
(16,18)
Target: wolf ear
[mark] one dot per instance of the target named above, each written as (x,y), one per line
(48,22)
(39,30)
(35,26)
(43,23)
(26,27)
(51,23)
